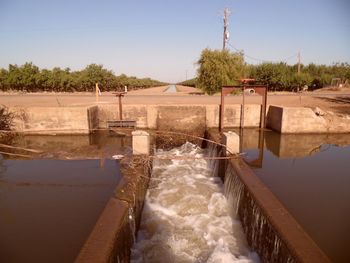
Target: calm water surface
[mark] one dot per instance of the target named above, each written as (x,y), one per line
(48,207)
(310,174)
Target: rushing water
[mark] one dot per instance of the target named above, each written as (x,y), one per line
(186,217)
(310,175)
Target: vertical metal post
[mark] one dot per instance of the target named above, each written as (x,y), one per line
(120,108)
(263,110)
(222,107)
(242,109)
(261,147)
(259,161)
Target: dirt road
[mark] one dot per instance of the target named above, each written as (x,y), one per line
(338,102)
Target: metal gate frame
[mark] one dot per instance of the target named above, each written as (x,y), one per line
(260,89)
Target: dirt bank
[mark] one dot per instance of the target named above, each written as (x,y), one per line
(335,101)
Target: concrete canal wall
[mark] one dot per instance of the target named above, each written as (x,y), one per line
(83,120)
(50,120)
(305,120)
(270,229)
(184,116)
(115,231)
(70,120)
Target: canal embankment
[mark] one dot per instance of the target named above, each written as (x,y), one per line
(86,119)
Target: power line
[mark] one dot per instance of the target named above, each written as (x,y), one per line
(263,60)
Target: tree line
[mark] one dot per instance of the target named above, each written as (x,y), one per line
(222,67)
(29,78)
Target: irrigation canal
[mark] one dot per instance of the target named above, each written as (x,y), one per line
(49,205)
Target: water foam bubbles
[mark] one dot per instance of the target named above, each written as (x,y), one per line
(186,217)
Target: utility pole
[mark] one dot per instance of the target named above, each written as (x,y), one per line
(226,33)
(299,59)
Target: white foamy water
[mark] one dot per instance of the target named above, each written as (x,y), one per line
(186,217)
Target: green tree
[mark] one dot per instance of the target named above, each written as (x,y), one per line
(277,76)
(93,74)
(218,68)
(14,76)
(3,79)
(29,77)
(189,82)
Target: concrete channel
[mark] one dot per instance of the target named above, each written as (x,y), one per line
(269,228)
(171,89)
(84,120)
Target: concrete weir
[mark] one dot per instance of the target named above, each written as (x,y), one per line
(83,120)
(187,118)
(270,230)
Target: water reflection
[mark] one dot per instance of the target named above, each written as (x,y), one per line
(49,204)
(309,174)
(253,143)
(99,145)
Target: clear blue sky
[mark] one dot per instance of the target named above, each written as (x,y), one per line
(163,39)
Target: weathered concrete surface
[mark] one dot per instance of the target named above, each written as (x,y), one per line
(140,142)
(190,119)
(270,229)
(232,115)
(133,186)
(305,120)
(250,136)
(231,140)
(152,116)
(108,112)
(48,120)
(92,115)
(136,112)
(113,235)
(102,245)
(274,118)
(184,118)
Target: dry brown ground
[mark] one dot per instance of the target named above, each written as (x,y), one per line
(330,100)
